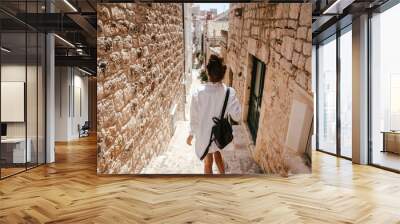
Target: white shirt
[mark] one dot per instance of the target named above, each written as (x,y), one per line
(207,102)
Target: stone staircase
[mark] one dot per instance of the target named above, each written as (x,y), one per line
(180,158)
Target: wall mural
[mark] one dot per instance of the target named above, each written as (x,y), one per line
(155,107)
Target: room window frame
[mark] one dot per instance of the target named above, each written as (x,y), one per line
(334,37)
(31,30)
(381,9)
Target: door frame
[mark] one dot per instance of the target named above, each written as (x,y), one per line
(255,63)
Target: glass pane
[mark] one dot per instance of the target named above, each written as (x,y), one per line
(327,97)
(13,87)
(31,98)
(257,78)
(394,102)
(346,94)
(31,87)
(41,99)
(385,86)
(314,87)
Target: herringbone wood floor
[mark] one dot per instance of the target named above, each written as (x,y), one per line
(69,191)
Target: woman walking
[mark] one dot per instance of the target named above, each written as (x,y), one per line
(207,102)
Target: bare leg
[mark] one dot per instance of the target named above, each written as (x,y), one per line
(208,163)
(219,161)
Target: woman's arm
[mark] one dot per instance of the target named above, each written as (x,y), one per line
(194,111)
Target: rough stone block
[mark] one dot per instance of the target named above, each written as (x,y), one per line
(308,66)
(287,47)
(302,79)
(294,10)
(307,48)
(309,35)
(286,65)
(301,61)
(302,32)
(298,45)
(305,14)
(292,24)
(295,58)
(117,13)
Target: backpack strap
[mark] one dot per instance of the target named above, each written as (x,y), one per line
(208,147)
(222,116)
(225,103)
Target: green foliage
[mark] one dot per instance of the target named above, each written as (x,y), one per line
(203,76)
(201,59)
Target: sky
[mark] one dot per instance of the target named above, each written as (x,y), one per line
(219,6)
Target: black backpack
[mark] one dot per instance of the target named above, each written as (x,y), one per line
(221,132)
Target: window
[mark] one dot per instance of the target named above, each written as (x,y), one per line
(334,94)
(257,87)
(327,96)
(22,77)
(346,93)
(314,89)
(394,102)
(385,89)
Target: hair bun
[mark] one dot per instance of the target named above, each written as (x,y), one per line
(216,68)
(214,58)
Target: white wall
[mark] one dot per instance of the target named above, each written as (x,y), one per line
(80,117)
(15,73)
(214,28)
(67,116)
(33,126)
(61,103)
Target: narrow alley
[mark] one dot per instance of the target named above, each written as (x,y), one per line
(146,78)
(180,158)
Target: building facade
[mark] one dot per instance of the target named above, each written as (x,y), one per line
(213,34)
(197,28)
(269,65)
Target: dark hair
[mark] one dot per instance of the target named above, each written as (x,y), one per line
(216,68)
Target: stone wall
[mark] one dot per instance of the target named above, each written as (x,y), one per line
(140,67)
(279,35)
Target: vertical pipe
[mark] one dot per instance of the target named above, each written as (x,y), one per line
(37,90)
(317,97)
(0,93)
(338,81)
(369,100)
(45,91)
(26,87)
